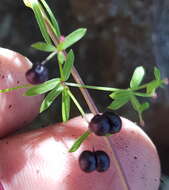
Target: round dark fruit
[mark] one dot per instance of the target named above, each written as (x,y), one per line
(102,161)
(114,120)
(87,161)
(99,125)
(37,74)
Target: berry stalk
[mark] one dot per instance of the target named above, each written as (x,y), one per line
(93,109)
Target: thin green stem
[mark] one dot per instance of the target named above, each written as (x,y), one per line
(91,87)
(76,103)
(61,71)
(16,88)
(49,57)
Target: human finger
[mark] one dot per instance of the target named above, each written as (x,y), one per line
(40,160)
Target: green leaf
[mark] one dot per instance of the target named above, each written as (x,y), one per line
(118,103)
(135,103)
(152,86)
(137,77)
(38,15)
(44,47)
(27,3)
(142,94)
(61,57)
(144,106)
(15,88)
(50,97)
(42,88)
(52,17)
(79,141)
(68,65)
(137,107)
(157,73)
(72,38)
(121,94)
(65,105)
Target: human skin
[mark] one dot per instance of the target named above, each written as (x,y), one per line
(13,105)
(39,160)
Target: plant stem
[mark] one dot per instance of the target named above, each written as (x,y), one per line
(76,103)
(85,92)
(91,87)
(61,71)
(16,88)
(49,57)
(94,110)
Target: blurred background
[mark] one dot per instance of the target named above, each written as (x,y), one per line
(122,34)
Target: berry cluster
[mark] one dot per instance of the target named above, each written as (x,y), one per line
(96,160)
(101,125)
(107,123)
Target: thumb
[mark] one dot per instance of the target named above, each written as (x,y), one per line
(16,110)
(40,160)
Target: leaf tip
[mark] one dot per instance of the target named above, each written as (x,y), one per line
(27,3)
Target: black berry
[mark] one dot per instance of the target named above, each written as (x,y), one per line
(37,74)
(115,122)
(96,160)
(87,161)
(102,161)
(107,123)
(99,125)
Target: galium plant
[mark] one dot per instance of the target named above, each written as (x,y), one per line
(58,46)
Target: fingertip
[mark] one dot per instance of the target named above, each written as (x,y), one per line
(16,110)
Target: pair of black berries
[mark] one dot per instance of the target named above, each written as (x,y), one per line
(106,123)
(96,160)
(101,125)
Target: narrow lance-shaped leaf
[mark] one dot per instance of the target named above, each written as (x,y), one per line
(65,105)
(61,57)
(42,46)
(27,3)
(121,94)
(79,141)
(152,86)
(71,39)
(144,106)
(42,88)
(157,73)
(52,17)
(15,88)
(38,15)
(135,103)
(139,108)
(50,97)
(118,103)
(142,94)
(137,77)
(68,65)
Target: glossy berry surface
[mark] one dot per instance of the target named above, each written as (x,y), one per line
(99,125)
(96,160)
(114,120)
(102,161)
(37,74)
(87,161)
